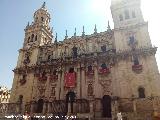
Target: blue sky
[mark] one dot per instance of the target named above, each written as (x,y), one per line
(64,15)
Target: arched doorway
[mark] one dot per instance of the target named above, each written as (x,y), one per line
(40,106)
(70,98)
(106,106)
(20,99)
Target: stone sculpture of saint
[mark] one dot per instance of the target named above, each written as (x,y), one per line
(119,116)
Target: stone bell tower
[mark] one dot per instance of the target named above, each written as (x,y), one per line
(126,13)
(129,24)
(132,40)
(37,34)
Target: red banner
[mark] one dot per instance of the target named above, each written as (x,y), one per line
(70,79)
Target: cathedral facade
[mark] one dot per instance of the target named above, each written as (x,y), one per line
(106,73)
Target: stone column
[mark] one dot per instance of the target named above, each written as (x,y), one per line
(20,108)
(83,82)
(134,101)
(91,108)
(78,81)
(69,108)
(96,83)
(74,107)
(47,91)
(154,107)
(113,107)
(17,108)
(61,77)
(33,106)
(134,106)
(44,107)
(116,106)
(49,107)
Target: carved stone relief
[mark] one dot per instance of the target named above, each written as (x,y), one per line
(106,85)
(27,58)
(90,90)
(41,90)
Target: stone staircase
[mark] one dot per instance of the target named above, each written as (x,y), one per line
(101,119)
(3,118)
(93,119)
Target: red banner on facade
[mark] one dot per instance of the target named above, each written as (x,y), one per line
(70,79)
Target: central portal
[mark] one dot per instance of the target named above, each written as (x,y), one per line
(106,106)
(70,98)
(40,106)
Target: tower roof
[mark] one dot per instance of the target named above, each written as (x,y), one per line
(114,2)
(42,9)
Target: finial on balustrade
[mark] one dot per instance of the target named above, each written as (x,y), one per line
(83,33)
(56,38)
(95,29)
(66,35)
(75,33)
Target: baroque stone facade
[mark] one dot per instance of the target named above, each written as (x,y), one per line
(115,70)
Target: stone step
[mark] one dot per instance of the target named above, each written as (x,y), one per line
(93,119)
(101,118)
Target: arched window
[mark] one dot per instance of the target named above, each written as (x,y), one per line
(90,68)
(49,57)
(126,12)
(28,59)
(53,91)
(75,52)
(24,77)
(20,98)
(44,74)
(120,17)
(28,39)
(42,19)
(36,38)
(136,61)
(133,14)
(141,92)
(103,66)
(131,40)
(54,72)
(32,37)
(71,70)
(103,48)
(36,19)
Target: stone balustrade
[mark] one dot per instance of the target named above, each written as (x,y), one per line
(128,107)
(9,109)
